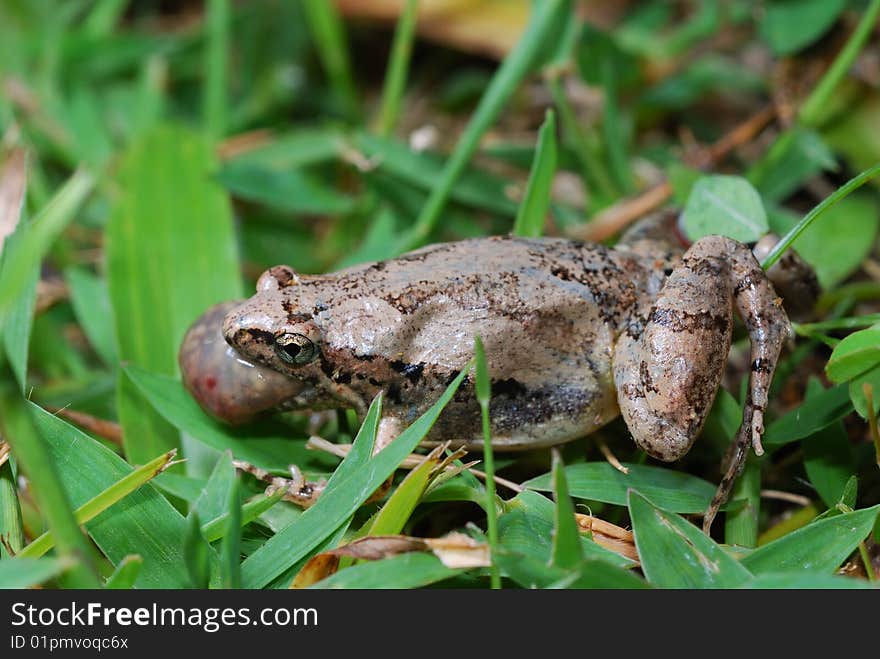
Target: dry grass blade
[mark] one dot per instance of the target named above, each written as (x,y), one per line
(12,186)
(455,550)
(608,535)
(615,218)
(109,430)
(412,461)
(4,452)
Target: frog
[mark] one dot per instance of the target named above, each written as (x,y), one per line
(576,334)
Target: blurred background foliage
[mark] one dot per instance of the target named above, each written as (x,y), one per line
(174,150)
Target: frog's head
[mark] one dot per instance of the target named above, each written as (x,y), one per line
(224,383)
(272,328)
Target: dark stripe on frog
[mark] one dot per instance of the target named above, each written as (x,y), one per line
(646,380)
(413,372)
(702,266)
(610,287)
(748,281)
(761,365)
(256,335)
(509,413)
(508,387)
(337,375)
(683,321)
(393,393)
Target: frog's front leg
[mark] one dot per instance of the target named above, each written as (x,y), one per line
(668,366)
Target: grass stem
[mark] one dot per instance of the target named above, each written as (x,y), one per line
(398,66)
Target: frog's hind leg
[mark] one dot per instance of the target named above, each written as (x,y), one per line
(668,365)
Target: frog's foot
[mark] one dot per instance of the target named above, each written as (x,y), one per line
(296,488)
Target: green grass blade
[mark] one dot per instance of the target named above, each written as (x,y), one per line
(599,481)
(394,514)
(526,529)
(103,16)
(806,581)
(26,572)
(818,547)
(303,147)
(195,553)
(676,554)
(412,570)
(566,552)
(212,502)
(829,201)
(821,95)
(613,131)
(598,574)
(741,523)
(328,33)
(545,18)
(20,262)
(585,150)
(152,90)
(536,201)
(828,458)
(11,532)
(290,191)
(98,504)
(143,523)
(230,549)
(53,501)
(174,403)
(360,452)
(91,306)
(483,386)
(822,410)
(17,332)
(219,527)
(398,65)
(126,573)
(214,100)
(171,253)
(327,538)
(477,188)
(339,501)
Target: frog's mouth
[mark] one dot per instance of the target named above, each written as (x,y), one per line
(225,384)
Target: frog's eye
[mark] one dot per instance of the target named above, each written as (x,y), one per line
(295,348)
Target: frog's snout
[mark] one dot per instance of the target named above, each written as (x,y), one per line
(244,332)
(225,384)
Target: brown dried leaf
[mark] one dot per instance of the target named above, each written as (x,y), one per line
(454,550)
(483,27)
(457,550)
(317,568)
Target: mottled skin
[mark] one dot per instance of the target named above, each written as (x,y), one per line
(575,334)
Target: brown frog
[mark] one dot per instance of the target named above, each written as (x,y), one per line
(575,334)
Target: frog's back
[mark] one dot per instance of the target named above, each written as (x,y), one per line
(547,310)
(589,271)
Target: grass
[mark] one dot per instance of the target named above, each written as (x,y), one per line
(171,158)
